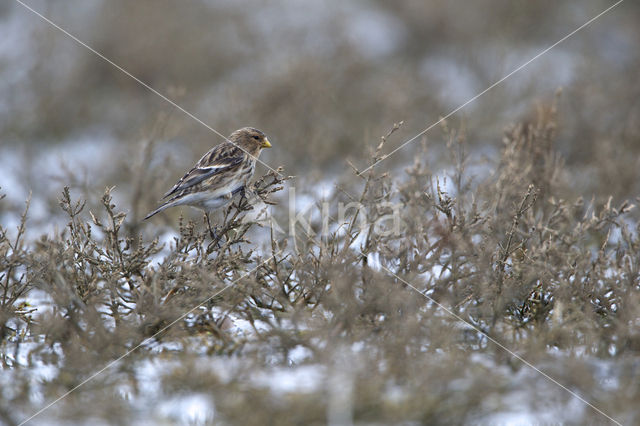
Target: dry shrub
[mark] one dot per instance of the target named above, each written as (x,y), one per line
(396,324)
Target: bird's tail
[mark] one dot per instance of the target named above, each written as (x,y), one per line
(158,210)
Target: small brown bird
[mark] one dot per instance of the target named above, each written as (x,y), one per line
(220,174)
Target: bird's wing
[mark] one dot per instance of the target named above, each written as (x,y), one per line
(214,162)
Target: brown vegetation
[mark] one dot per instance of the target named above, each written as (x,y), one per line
(517,239)
(554,280)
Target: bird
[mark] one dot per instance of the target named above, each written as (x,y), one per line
(220,174)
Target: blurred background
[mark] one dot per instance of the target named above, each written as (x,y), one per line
(323,79)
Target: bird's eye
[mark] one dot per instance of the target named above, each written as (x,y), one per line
(256,137)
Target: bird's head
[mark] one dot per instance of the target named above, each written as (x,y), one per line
(250,139)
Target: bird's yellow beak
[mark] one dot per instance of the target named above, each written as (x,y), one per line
(266,143)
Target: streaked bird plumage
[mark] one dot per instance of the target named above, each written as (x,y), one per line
(220,174)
